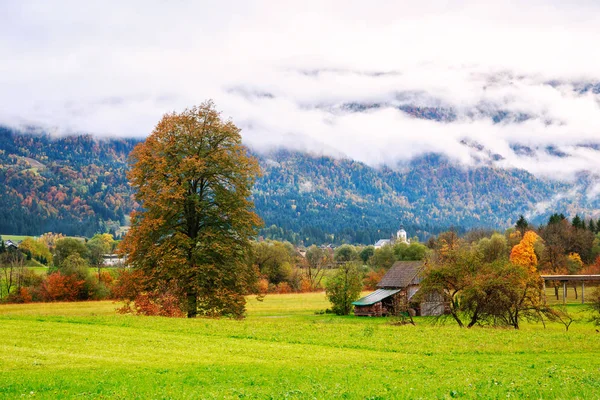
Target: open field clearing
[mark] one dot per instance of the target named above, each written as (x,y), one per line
(284,350)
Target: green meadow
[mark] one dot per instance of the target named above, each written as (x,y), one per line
(286,349)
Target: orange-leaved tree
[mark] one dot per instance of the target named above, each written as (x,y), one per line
(523,254)
(193,179)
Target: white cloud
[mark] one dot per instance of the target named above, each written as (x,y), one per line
(116,68)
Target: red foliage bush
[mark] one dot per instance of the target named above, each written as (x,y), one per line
(592,269)
(20,296)
(155,303)
(129,287)
(59,287)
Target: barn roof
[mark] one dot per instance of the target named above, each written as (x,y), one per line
(375,297)
(401,274)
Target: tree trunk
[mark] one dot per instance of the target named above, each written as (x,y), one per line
(575,289)
(474,318)
(192,305)
(457,319)
(556,292)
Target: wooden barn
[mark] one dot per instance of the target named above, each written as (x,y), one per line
(398,286)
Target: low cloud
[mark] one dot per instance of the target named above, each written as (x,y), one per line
(511,85)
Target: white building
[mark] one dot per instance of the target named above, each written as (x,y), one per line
(401,237)
(382,242)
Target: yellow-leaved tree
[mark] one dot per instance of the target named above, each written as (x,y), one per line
(523,254)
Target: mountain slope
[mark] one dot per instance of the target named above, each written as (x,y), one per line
(77,185)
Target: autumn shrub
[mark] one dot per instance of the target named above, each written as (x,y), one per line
(59,287)
(20,296)
(262,287)
(305,286)
(155,303)
(129,288)
(106,278)
(372,278)
(99,287)
(593,269)
(283,288)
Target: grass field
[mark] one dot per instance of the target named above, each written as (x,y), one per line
(14,238)
(284,350)
(18,238)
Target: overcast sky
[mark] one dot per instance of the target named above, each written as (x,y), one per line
(286,71)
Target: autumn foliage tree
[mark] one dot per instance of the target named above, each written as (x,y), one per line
(523,254)
(193,180)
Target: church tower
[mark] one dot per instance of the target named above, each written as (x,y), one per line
(401,236)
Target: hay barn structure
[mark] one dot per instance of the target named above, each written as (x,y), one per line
(398,286)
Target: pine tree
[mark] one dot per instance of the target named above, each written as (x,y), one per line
(592,226)
(522,225)
(577,222)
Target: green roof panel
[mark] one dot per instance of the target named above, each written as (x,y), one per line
(375,297)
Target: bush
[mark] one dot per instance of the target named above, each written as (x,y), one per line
(129,287)
(373,278)
(59,287)
(305,286)
(262,286)
(160,304)
(20,296)
(283,288)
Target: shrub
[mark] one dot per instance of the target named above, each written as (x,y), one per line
(305,286)
(161,304)
(19,296)
(262,286)
(59,287)
(373,278)
(283,288)
(129,287)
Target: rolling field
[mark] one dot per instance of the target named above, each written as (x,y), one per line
(284,350)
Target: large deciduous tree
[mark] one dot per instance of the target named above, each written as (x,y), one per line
(193,180)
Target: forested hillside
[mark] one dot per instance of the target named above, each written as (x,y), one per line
(328,200)
(77,185)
